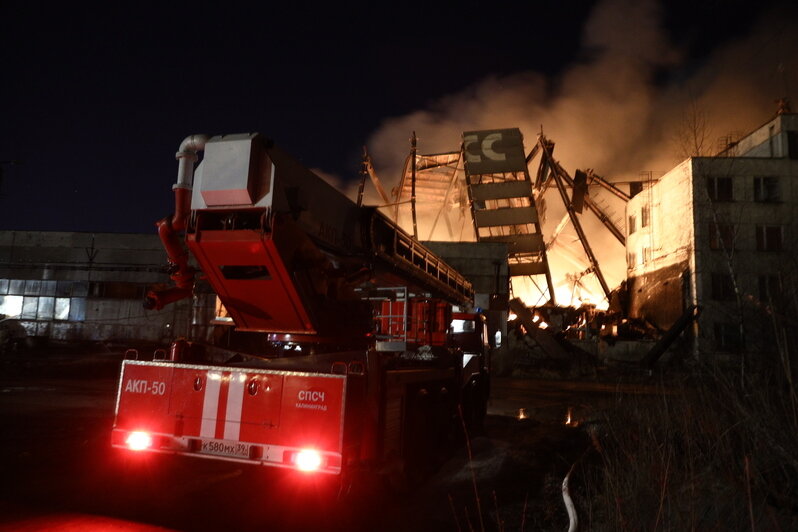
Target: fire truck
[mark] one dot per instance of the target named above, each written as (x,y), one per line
(340,342)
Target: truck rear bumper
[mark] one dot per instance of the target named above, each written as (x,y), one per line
(235,451)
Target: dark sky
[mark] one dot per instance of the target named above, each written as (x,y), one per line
(96,99)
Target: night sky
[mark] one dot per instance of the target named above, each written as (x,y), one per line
(96,99)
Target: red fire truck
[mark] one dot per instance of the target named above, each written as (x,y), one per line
(334,348)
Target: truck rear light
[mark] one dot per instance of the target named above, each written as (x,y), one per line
(307,460)
(139,441)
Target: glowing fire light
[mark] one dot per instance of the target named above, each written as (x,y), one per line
(522,413)
(308,460)
(543,325)
(569,420)
(139,441)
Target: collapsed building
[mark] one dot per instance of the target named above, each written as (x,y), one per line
(709,245)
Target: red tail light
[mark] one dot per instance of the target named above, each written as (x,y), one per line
(139,441)
(308,460)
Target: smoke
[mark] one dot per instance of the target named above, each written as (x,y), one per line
(347,188)
(621,110)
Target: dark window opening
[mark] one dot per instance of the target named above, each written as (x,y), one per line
(766,189)
(245,273)
(792,144)
(721,236)
(769,289)
(722,287)
(645,216)
(720,188)
(768,238)
(116,290)
(632,224)
(727,337)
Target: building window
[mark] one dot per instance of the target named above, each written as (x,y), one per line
(645,216)
(632,224)
(10,306)
(766,189)
(630,261)
(721,236)
(43,300)
(61,308)
(30,306)
(646,255)
(792,144)
(722,288)
(720,188)
(77,309)
(727,337)
(769,289)
(768,238)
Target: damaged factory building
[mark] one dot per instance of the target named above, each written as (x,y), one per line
(710,250)
(719,234)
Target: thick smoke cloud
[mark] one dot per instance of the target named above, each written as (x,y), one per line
(621,110)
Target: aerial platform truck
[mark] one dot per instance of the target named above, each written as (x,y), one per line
(341,343)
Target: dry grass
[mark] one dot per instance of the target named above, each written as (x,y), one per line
(716,455)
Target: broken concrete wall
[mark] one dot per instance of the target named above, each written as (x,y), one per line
(659,296)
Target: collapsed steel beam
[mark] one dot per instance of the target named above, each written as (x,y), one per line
(413,185)
(689,316)
(606,185)
(556,172)
(452,183)
(368,168)
(594,208)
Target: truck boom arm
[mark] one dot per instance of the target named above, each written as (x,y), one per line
(283,249)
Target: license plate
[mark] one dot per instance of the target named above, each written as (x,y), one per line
(225,448)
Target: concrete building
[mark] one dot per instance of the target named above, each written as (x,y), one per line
(721,233)
(86,287)
(485,265)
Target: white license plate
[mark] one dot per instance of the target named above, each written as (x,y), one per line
(225,448)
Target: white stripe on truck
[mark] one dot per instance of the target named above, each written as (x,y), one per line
(235,401)
(210,404)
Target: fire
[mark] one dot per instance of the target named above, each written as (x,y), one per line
(569,419)
(534,295)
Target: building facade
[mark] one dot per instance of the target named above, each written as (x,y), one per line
(88,287)
(720,233)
